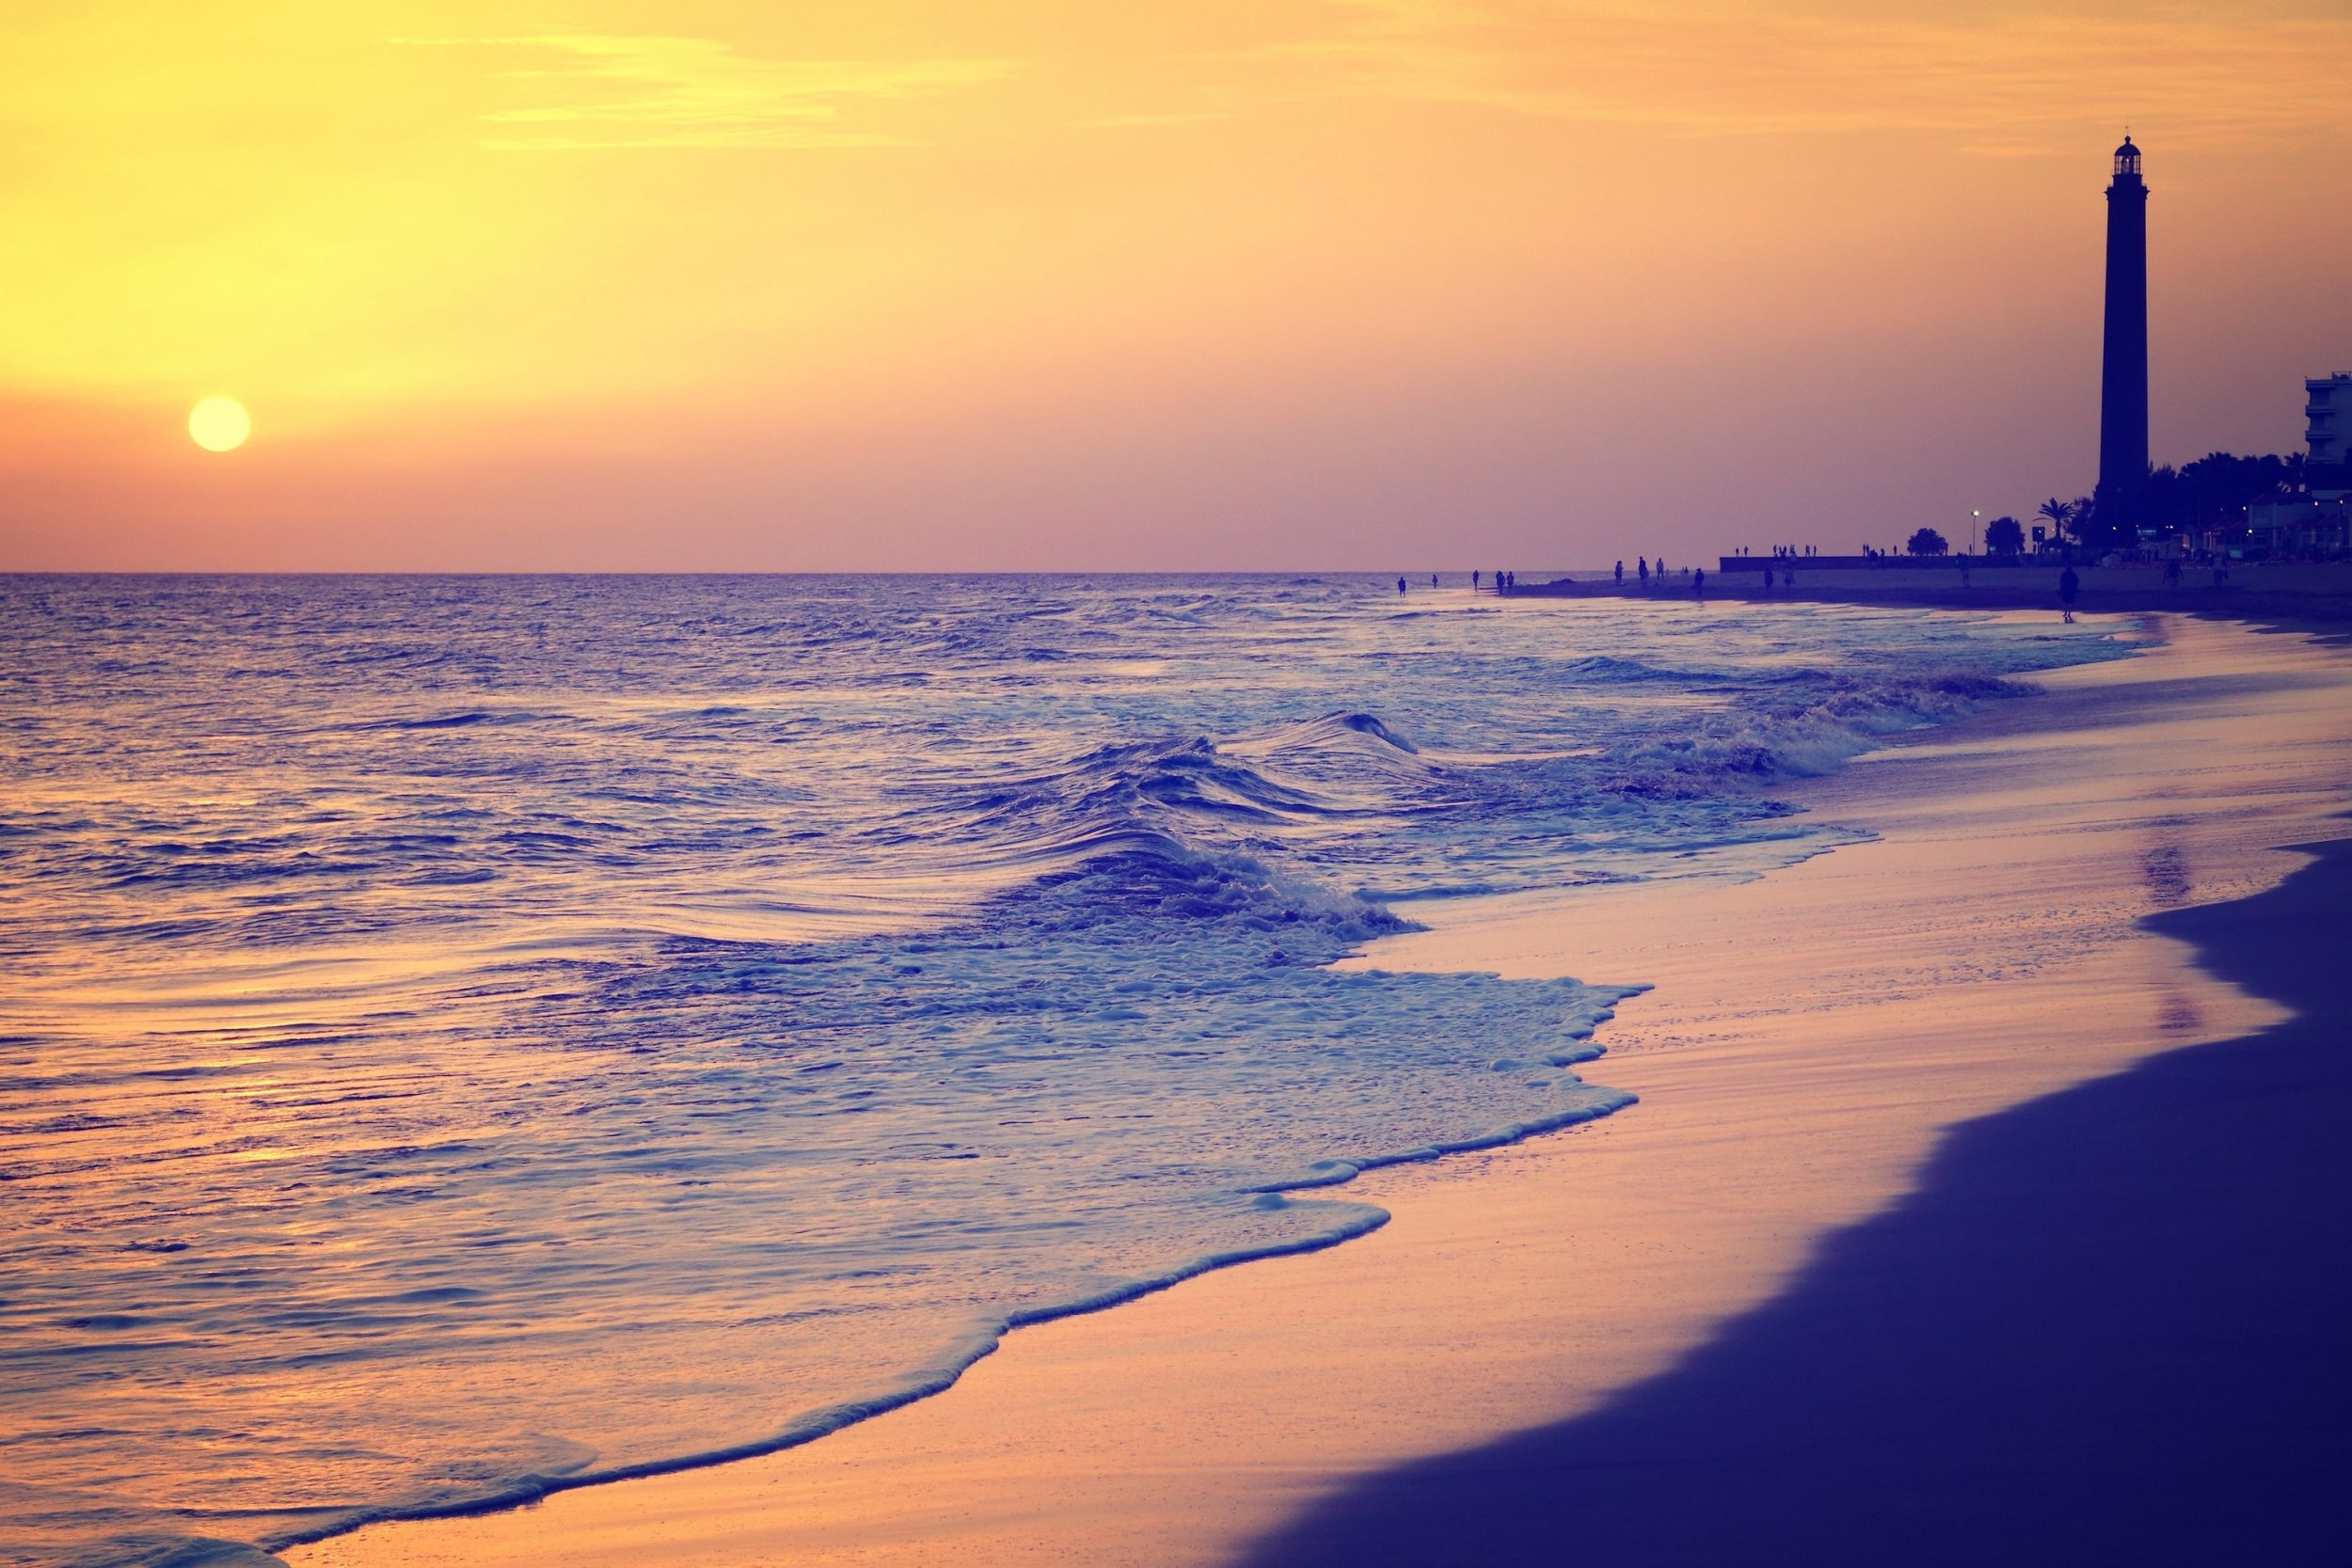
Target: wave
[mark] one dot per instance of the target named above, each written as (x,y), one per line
(1340,1223)
(804,983)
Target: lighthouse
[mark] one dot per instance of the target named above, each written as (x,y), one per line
(2123,369)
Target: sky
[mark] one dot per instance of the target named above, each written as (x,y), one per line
(907,285)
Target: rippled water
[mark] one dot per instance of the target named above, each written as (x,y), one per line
(459,1032)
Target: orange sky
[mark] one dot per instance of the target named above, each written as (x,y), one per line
(1284,283)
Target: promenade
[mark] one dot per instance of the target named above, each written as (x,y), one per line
(2276,593)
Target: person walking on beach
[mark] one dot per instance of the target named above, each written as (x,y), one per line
(2069,585)
(1400,585)
(1473,581)
(1698,585)
(1621,574)
(1642,564)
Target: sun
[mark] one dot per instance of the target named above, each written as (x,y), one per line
(219,424)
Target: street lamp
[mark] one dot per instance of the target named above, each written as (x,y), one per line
(1978,516)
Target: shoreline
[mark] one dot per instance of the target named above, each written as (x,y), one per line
(2105,1326)
(847,1500)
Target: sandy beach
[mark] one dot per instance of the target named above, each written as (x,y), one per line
(1806,1173)
(2105,1326)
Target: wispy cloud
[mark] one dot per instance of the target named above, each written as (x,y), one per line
(2002,79)
(605,91)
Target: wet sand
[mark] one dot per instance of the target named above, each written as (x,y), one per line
(2108,1327)
(1812,1038)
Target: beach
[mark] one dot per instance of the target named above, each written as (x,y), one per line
(2105,1325)
(1627,1319)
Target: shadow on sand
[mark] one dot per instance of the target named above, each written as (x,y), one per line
(2111,1327)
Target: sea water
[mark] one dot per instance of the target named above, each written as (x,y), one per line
(464,1033)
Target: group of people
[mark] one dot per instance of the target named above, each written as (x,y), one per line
(2220,564)
(1504,581)
(1784,577)
(1644,574)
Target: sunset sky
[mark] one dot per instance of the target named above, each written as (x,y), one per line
(914,284)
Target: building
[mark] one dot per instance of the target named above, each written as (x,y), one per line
(2327,434)
(2124,364)
(2284,525)
(2320,518)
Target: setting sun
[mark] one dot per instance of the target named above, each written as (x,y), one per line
(219,424)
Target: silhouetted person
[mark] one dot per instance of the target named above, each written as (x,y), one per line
(1699,583)
(1433,579)
(2172,571)
(1400,585)
(1621,574)
(1642,564)
(1768,579)
(1473,583)
(2069,585)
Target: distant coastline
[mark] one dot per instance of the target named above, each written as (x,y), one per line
(2278,594)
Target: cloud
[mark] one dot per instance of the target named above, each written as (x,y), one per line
(2006,79)
(605,91)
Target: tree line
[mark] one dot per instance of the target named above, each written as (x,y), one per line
(2211,493)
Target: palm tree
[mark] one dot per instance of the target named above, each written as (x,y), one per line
(2059,512)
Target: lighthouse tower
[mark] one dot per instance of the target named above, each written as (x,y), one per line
(2123,371)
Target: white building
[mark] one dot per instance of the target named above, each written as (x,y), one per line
(2327,413)
(2290,523)
(2321,518)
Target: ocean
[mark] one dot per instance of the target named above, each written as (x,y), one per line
(464,1034)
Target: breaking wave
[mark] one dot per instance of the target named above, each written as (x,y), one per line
(469,1036)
